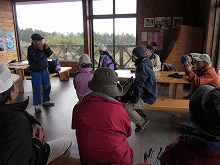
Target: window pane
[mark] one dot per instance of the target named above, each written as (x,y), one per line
(60,23)
(125,6)
(102,7)
(103,35)
(125,40)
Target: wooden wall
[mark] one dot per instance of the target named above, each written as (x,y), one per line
(7,24)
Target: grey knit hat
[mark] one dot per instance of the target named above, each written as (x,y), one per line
(105,80)
(85,60)
(140,51)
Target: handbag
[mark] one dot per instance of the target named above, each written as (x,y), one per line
(54,65)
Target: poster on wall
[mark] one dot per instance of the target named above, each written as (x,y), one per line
(1,39)
(10,40)
(156,37)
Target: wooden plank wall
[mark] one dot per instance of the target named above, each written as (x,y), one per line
(7,23)
(189,41)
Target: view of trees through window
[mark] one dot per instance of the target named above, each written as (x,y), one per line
(64,31)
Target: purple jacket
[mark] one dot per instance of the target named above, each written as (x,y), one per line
(81,80)
(191,150)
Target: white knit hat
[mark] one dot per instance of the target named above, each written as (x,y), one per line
(7,79)
(102,48)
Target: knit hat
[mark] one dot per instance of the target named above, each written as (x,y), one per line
(203,57)
(7,79)
(102,48)
(204,108)
(184,59)
(36,37)
(140,51)
(105,80)
(85,60)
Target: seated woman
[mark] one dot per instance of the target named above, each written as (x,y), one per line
(83,76)
(101,122)
(202,145)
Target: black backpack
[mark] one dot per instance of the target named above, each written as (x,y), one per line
(127,90)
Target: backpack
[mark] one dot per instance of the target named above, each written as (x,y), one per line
(168,67)
(127,86)
(54,66)
(113,62)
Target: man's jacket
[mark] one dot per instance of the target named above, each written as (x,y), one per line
(16,143)
(145,86)
(38,58)
(206,76)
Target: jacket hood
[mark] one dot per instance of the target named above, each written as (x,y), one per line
(20,106)
(101,96)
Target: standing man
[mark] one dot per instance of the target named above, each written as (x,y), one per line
(22,138)
(144,88)
(37,57)
(203,74)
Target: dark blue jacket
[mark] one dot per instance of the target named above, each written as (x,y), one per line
(38,58)
(145,85)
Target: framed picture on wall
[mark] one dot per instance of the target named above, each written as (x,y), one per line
(163,23)
(148,22)
(177,21)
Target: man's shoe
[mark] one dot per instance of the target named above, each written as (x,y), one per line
(140,128)
(48,104)
(37,109)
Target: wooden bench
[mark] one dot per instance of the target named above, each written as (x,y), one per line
(174,105)
(63,74)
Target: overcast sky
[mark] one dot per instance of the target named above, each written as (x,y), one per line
(66,17)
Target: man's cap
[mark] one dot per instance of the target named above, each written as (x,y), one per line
(139,51)
(85,60)
(153,43)
(102,48)
(105,80)
(203,57)
(36,37)
(7,79)
(204,108)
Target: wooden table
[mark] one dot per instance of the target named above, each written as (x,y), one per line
(175,84)
(19,70)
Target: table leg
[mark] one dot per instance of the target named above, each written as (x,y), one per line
(64,76)
(20,84)
(172,90)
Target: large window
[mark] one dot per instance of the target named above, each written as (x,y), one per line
(115,27)
(61,24)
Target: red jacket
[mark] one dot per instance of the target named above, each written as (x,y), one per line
(191,150)
(102,128)
(207,76)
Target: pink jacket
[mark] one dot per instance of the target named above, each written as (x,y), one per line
(81,80)
(102,128)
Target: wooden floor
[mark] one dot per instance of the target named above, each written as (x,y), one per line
(162,128)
